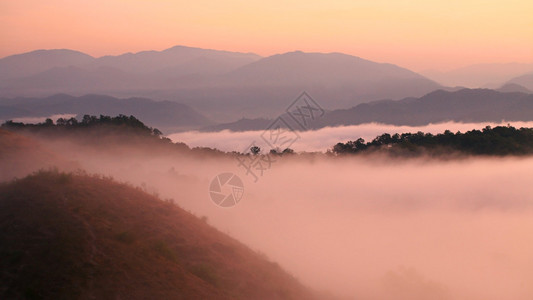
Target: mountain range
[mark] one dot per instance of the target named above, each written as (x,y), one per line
(167,116)
(511,103)
(185,59)
(525,80)
(219,83)
(199,87)
(465,105)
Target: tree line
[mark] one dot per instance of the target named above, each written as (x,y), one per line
(500,140)
(87,121)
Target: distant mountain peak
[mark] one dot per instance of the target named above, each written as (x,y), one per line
(188,48)
(37,61)
(50,52)
(525,81)
(465,105)
(514,87)
(206,75)
(300,68)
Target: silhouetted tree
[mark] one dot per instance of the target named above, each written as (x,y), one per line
(72,122)
(157,132)
(274,152)
(61,122)
(288,151)
(255,150)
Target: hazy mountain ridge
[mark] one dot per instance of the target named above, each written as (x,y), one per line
(266,87)
(524,80)
(45,72)
(480,75)
(511,87)
(218,82)
(339,79)
(164,115)
(37,61)
(466,105)
(317,68)
(150,61)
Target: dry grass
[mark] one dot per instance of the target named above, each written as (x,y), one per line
(65,236)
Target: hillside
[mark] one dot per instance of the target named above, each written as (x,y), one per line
(65,236)
(20,155)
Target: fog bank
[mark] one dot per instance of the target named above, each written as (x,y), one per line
(369,228)
(360,227)
(321,139)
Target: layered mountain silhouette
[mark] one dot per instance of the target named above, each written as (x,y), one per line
(31,63)
(165,115)
(337,78)
(187,60)
(191,60)
(466,105)
(525,80)
(480,75)
(327,69)
(44,72)
(513,87)
(224,85)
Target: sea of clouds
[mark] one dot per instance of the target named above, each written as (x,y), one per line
(321,139)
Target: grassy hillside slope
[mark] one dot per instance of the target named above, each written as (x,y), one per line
(74,236)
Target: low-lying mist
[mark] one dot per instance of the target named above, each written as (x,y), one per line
(323,139)
(360,227)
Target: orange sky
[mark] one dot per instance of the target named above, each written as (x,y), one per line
(439,34)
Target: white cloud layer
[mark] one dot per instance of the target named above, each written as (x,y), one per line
(322,139)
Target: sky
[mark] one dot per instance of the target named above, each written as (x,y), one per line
(420,35)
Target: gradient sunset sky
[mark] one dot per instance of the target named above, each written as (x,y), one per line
(440,34)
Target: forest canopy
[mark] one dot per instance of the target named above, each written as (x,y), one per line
(501,140)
